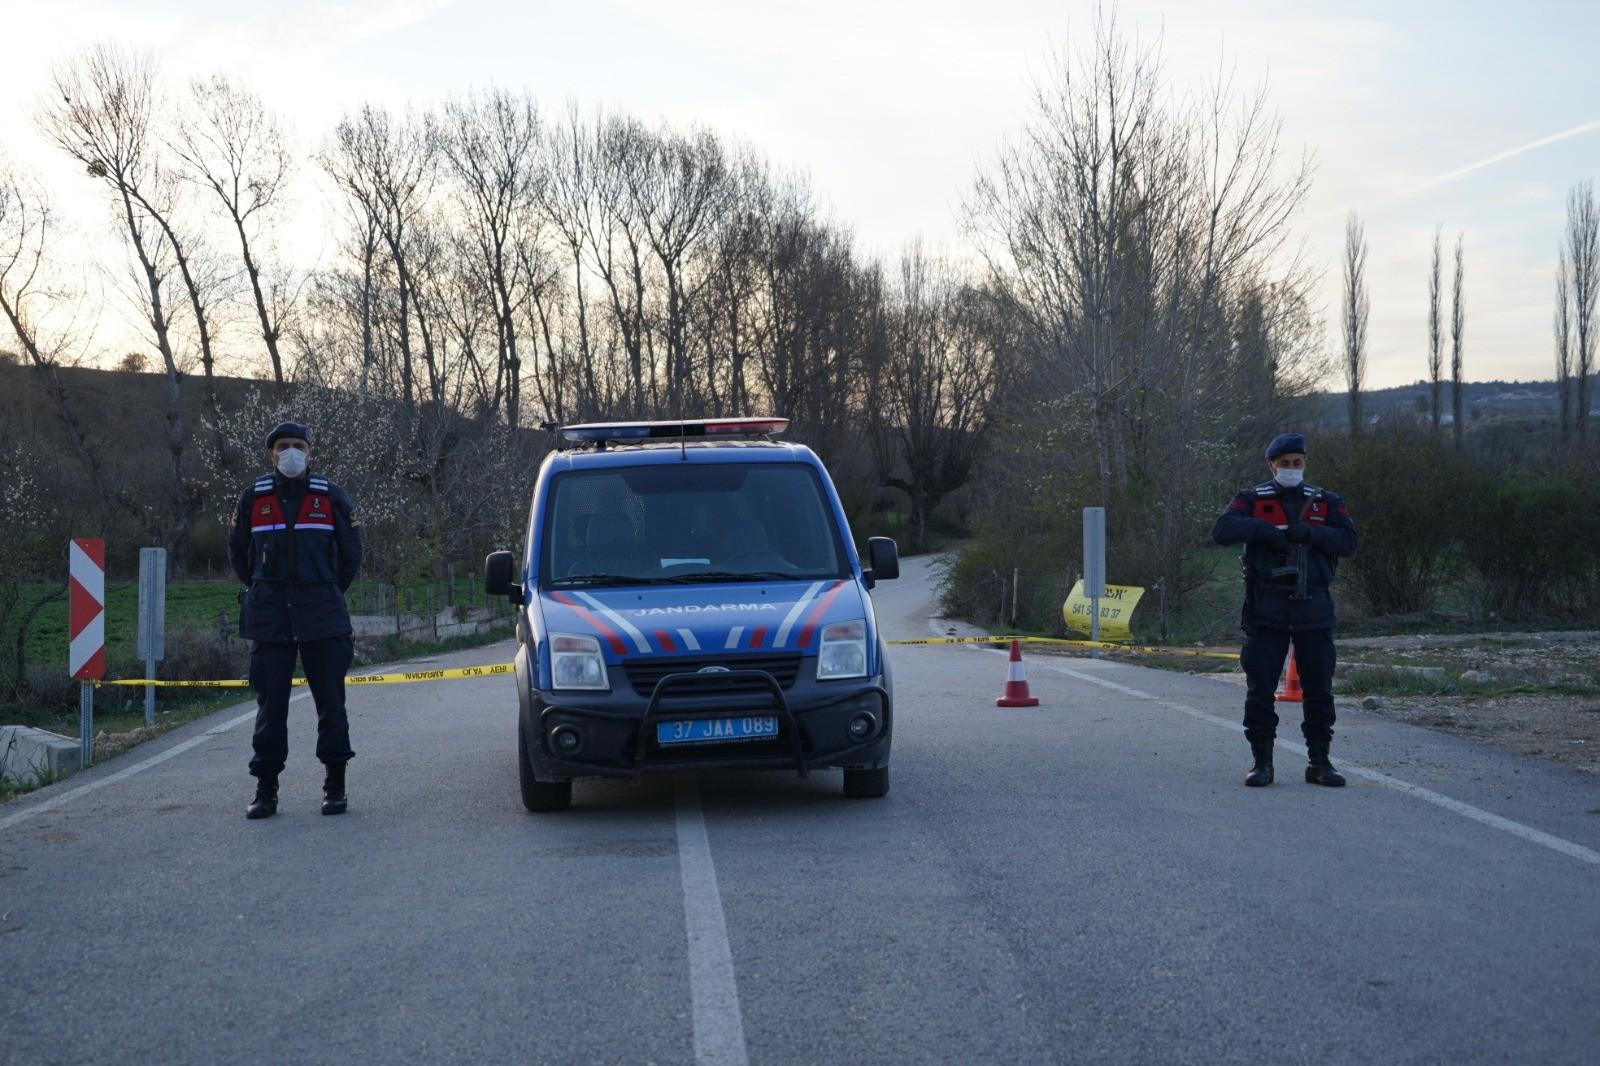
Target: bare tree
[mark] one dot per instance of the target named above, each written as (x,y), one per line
(1357,311)
(1563,330)
(1435,340)
(491,144)
(27,228)
(1458,324)
(386,167)
(98,109)
(1583,253)
(231,145)
(936,387)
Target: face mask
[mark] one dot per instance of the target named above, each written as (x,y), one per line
(1289,477)
(291,462)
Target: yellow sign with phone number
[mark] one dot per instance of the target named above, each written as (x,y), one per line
(1116,611)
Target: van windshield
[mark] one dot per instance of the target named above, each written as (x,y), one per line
(685,523)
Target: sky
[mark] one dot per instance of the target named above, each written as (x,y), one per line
(1475,117)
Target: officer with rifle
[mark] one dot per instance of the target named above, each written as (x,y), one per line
(1294,534)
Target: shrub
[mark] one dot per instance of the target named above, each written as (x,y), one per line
(1406,492)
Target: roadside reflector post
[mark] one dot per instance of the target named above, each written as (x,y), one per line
(86,627)
(152,620)
(1094,567)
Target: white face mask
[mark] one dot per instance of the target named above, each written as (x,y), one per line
(1289,477)
(291,462)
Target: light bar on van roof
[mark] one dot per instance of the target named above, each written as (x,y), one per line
(600,432)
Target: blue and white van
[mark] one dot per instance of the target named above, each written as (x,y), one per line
(690,598)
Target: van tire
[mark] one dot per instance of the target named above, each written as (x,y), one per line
(539,796)
(871,783)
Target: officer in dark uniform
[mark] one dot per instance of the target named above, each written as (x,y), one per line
(1275,520)
(296,543)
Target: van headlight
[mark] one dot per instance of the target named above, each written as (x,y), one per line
(844,650)
(575,662)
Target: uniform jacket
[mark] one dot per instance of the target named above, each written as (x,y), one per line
(1256,518)
(296,544)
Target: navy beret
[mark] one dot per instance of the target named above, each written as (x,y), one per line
(1286,442)
(288,429)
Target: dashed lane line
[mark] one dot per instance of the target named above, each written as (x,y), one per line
(713,993)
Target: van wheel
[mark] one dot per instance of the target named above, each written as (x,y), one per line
(866,784)
(539,796)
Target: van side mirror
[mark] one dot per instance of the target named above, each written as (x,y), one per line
(497,569)
(885,558)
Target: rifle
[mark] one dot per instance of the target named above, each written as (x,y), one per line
(1295,565)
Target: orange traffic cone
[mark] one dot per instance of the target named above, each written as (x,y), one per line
(1291,690)
(1016,693)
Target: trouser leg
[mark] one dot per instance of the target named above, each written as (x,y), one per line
(1315,656)
(1262,660)
(271,674)
(327,661)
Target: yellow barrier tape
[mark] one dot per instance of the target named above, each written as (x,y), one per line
(451,674)
(493,669)
(1141,649)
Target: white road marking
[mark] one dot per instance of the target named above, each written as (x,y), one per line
(1427,795)
(137,768)
(718,1023)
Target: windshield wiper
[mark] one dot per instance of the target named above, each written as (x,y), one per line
(602,579)
(735,575)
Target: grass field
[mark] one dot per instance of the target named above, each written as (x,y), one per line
(194,605)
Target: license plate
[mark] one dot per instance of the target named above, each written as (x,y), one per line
(715,730)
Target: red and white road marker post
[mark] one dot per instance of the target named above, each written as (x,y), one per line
(86,623)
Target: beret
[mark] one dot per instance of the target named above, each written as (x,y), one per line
(1286,442)
(288,429)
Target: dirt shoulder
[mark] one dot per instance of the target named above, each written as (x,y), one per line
(1533,693)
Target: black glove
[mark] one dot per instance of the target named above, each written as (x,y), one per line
(1276,540)
(1299,533)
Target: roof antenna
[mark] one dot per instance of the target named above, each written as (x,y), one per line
(683,441)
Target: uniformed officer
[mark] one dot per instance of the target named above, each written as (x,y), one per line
(1274,520)
(296,543)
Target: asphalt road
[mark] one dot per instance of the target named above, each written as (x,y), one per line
(1082,881)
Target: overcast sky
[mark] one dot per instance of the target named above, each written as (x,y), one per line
(1476,116)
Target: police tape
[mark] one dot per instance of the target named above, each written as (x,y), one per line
(491,670)
(405,677)
(1139,649)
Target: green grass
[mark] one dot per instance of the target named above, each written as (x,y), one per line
(1387,681)
(190,604)
(897,524)
(35,781)
(193,604)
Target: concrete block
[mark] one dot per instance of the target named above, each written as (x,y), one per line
(27,753)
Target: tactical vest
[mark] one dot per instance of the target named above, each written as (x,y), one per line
(302,552)
(1269,508)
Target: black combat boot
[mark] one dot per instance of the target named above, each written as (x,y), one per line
(265,805)
(1260,774)
(333,797)
(1319,771)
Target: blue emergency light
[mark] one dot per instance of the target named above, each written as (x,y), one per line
(599,433)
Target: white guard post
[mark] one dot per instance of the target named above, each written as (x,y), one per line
(1094,567)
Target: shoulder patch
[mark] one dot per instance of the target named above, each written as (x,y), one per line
(1267,488)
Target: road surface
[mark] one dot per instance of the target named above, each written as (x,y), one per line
(1079,882)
